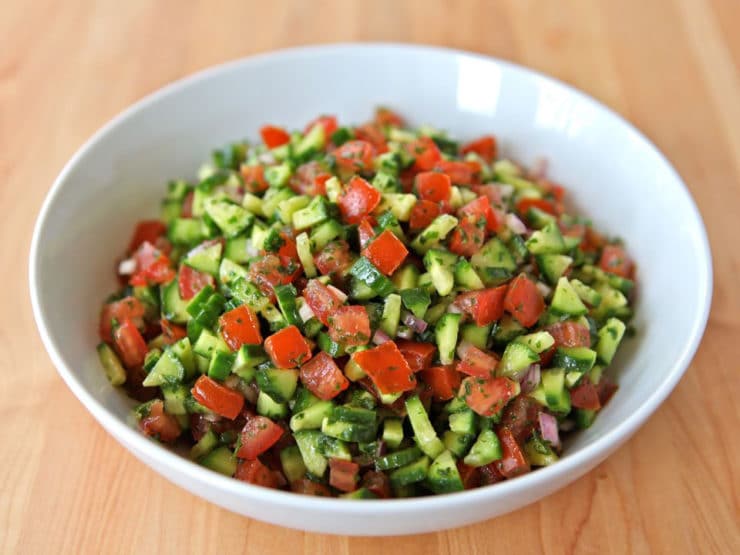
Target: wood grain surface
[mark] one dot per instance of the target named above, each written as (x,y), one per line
(671,67)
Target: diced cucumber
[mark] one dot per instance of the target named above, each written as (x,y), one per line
(292,462)
(443,476)
(311,143)
(556,396)
(230,270)
(368,274)
(434,233)
(247,357)
(398,459)
(278,383)
(308,445)
(168,370)
(112,366)
(348,431)
(174,308)
(183,350)
(565,300)
(485,450)
(584,418)
(553,266)
(221,460)
(324,233)
(391,314)
(333,189)
(459,444)
(185,231)
(507,329)
(424,434)
(406,277)
(516,358)
(466,276)
(493,262)
(311,417)
(581,359)
(220,365)
(411,473)
(229,216)
(315,213)
(610,335)
(288,207)
(477,335)
(269,407)
(303,246)
(208,343)
(585,293)
(399,204)
(278,176)
(205,258)
(253,204)
(205,445)
(360,493)
(333,448)
(258,235)
(547,240)
(538,452)
(440,265)
(392,432)
(463,422)
(174,398)
(445,332)
(353,371)
(538,341)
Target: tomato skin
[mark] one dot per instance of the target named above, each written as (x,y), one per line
(254,178)
(343,474)
(423,213)
(513,463)
(387,368)
(355,156)
(172,332)
(240,326)
(470,475)
(328,122)
(487,396)
(521,416)
(489,474)
(274,136)
(160,424)
(128,308)
(387,252)
(321,299)
(565,334)
(287,348)
(484,306)
(481,208)
(378,483)
(309,487)
(191,281)
(418,354)
(434,186)
(365,231)
(147,231)
(334,258)
(322,377)
(468,237)
(426,154)
(350,325)
(358,200)
(258,435)
(255,472)
(272,270)
(152,266)
(219,398)
(525,204)
(484,146)
(460,173)
(524,301)
(585,396)
(615,260)
(130,344)
(385,116)
(372,134)
(444,381)
(475,362)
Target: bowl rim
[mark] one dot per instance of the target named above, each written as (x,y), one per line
(569,466)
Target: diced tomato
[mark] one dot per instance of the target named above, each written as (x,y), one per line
(152,266)
(460,173)
(470,475)
(329,123)
(423,213)
(309,487)
(525,204)
(513,463)
(288,249)
(128,308)
(468,237)
(570,334)
(310,179)
(606,389)
(187,205)
(475,362)
(272,270)
(524,301)
(425,152)
(160,424)
(373,135)
(484,306)
(365,231)
(334,258)
(585,396)
(419,355)
(521,416)
(240,326)
(129,344)
(444,381)
(172,332)
(255,472)
(387,252)
(343,475)
(384,116)
(481,208)
(288,348)
(274,136)
(322,377)
(258,435)
(219,398)
(191,281)
(387,367)
(254,178)
(433,186)
(489,474)
(615,260)
(355,156)
(350,325)
(147,231)
(484,146)
(321,299)
(487,396)
(358,200)
(378,483)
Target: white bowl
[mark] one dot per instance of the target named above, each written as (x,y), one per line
(615,174)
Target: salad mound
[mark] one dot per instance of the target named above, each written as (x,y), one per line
(366,312)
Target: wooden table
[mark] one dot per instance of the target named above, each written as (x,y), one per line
(671,67)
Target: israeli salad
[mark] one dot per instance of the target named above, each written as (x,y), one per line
(366,312)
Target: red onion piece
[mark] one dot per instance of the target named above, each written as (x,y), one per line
(531,378)
(515,224)
(405,333)
(380,337)
(417,324)
(305,312)
(549,429)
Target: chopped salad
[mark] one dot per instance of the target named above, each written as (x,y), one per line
(366,312)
